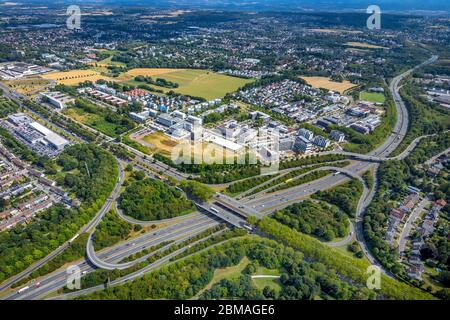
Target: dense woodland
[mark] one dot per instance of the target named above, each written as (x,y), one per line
(321,220)
(111,230)
(151,199)
(345,196)
(7,107)
(350,267)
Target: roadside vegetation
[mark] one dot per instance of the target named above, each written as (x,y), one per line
(197,190)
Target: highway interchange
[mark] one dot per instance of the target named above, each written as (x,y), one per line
(222,209)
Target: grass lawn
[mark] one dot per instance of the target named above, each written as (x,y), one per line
(345,251)
(28,86)
(198,83)
(272,283)
(93,120)
(372,97)
(161,143)
(427,278)
(226,273)
(108,62)
(267,272)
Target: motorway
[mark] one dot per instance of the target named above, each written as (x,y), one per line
(119,252)
(151,267)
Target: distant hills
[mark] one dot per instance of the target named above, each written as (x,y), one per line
(279,5)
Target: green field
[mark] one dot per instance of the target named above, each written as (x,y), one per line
(272,283)
(230,273)
(95,121)
(372,97)
(202,83)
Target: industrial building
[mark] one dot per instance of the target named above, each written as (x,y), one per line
(37,137)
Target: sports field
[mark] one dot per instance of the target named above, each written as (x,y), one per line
(372,97)
(198,83)
(326,83)
(75,77)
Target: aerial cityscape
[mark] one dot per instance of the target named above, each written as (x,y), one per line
(224,150)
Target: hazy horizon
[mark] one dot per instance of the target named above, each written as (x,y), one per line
(324,5)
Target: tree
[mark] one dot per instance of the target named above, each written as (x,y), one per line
(197,190)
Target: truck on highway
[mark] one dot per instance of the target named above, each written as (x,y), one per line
(73,239)
(23,290)
(248,227)
(214,210)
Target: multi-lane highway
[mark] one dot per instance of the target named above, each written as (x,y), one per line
(179,231)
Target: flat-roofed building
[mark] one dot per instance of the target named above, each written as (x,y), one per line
(57,99)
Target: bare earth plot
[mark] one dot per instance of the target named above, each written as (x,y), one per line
(363,45)
(324,82)
(28,86)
